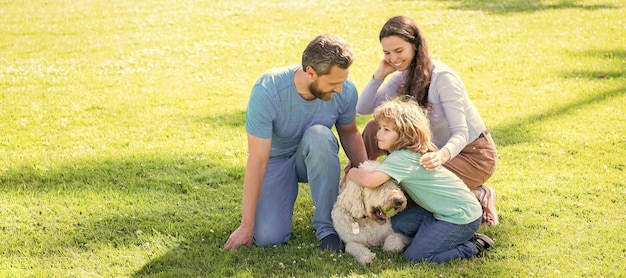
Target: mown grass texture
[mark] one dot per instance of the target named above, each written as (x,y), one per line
(122,145)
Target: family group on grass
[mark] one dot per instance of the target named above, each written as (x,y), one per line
(436,144)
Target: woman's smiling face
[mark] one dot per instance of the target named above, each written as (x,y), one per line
(398,52)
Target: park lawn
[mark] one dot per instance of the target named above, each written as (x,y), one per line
(122,139)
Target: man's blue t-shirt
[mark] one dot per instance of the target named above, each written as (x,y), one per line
(277,111)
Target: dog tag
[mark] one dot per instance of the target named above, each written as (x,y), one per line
(355,228)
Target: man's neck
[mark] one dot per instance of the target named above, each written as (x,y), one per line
(300,80)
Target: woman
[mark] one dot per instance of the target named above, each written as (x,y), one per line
(464,144)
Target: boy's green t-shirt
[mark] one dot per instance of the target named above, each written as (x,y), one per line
(440,192)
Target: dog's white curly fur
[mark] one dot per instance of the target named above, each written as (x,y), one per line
(357,204)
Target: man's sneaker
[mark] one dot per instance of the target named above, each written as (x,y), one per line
(332,243)
(482,242)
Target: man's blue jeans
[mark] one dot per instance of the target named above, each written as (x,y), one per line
(316,161)
(434,240)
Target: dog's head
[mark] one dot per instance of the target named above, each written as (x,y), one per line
(384,201)
(378,204)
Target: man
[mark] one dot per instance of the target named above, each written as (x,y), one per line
(289,119)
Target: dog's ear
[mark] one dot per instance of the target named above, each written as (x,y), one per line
(351,199)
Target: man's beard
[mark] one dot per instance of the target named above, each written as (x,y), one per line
(317,93)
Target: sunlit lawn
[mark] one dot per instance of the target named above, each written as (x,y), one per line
(122,140)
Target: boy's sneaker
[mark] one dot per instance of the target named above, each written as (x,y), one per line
(482,242)
(332,243)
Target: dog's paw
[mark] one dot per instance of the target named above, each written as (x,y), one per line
(360,252)
(396,242)
(366,258)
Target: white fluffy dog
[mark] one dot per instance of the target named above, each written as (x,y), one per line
(361,217)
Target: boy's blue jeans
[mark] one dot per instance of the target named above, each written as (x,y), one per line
(434,240)
(316,161)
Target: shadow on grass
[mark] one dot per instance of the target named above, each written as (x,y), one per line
(614,55)
(519,131)
(110,208)
(522,6)
(299,257)
(170,173)
(202,256)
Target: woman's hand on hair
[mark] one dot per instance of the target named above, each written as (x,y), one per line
(383,70)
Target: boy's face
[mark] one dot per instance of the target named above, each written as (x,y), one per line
(386,136)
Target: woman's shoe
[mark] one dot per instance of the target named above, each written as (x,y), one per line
(488,202)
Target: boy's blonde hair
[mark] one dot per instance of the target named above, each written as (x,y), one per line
(409,120)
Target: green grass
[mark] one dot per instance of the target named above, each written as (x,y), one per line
(122,140)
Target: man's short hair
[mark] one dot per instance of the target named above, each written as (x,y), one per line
(326,51)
